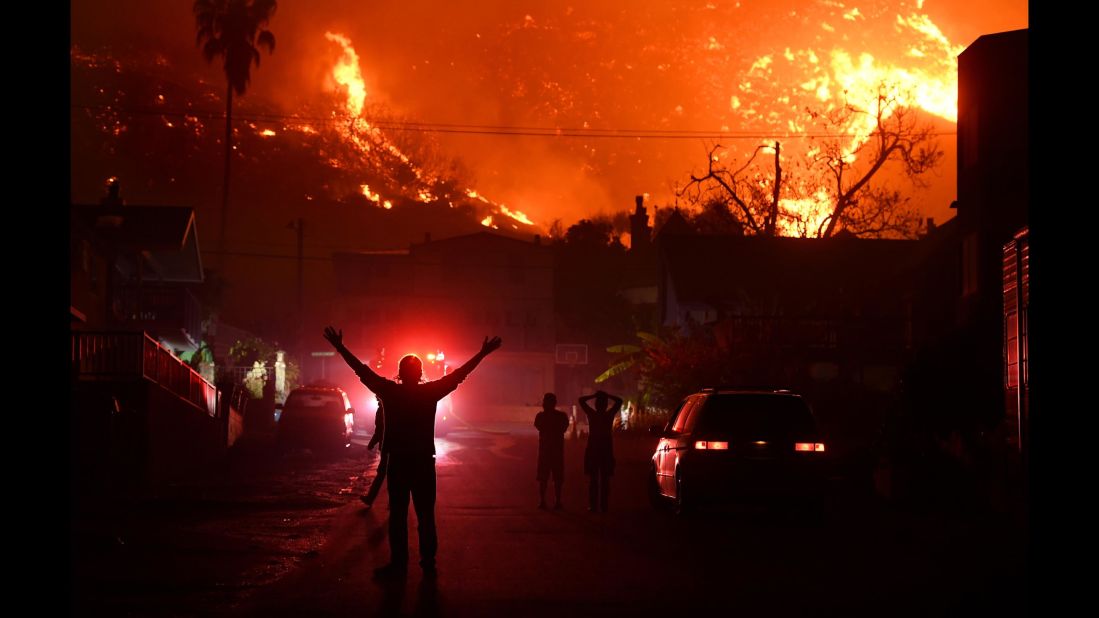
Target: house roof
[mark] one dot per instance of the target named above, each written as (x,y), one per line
(996,39)
(478,240)
(165,235)
(465,248)
(720,270)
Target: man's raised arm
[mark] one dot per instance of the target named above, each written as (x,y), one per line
(616,402)
(489,346)
(361,369)
(584,403)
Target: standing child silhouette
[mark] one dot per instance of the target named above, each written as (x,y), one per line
(551,424)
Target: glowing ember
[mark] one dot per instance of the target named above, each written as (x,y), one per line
(370,195)
(267,133)
(487,221)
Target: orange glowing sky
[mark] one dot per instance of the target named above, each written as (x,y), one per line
(746,68)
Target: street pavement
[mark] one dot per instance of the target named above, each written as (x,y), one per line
(287,536)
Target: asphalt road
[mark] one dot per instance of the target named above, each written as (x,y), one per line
(285,535)
(501,556)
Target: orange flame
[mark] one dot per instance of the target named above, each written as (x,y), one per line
(370,195)
(833,77)
(347,74)
(518,216)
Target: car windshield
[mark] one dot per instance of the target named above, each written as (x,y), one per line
(756,416)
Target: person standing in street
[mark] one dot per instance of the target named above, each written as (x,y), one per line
(410,407)
(383,456)
(599,455)
(552,425)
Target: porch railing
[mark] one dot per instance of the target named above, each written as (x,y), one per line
(115,355)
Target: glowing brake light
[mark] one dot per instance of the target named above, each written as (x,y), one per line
(809,446)
(704,445)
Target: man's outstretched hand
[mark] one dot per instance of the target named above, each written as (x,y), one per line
(335,337)
(490,345)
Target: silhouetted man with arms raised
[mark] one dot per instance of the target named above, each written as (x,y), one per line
(599,456)
(551,424)
(410,438)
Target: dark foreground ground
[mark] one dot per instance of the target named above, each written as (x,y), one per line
(287,536)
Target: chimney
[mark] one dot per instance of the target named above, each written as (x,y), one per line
(112,198)
(930,225)
(640,233)
(538,239)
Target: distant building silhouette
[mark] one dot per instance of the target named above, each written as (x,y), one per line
(826,308)
(976,284)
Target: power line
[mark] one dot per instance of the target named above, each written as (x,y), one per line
(479,129)
(265,255)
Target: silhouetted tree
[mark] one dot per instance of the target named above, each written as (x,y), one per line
(836,175)
(232,30)
(589,262)
(670,365)
(713,216)
(556,230)
(595,234)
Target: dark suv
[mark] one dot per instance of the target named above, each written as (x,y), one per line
(732,445)
(316,416)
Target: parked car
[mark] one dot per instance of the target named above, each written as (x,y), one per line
(445,421)
(739,445)
(316,416)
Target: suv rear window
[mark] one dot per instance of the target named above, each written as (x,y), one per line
(751,415)
(688,415)
(299,399)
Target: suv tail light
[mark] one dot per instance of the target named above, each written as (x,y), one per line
(817,447)
(704,445)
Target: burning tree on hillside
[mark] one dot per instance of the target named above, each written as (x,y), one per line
(836,183)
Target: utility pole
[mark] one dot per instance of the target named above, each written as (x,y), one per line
(301,284)
(299,351)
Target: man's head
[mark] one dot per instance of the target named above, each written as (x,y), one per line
(549,401)
(411,369)
(600,400)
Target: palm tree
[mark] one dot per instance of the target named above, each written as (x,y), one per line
(232,29)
